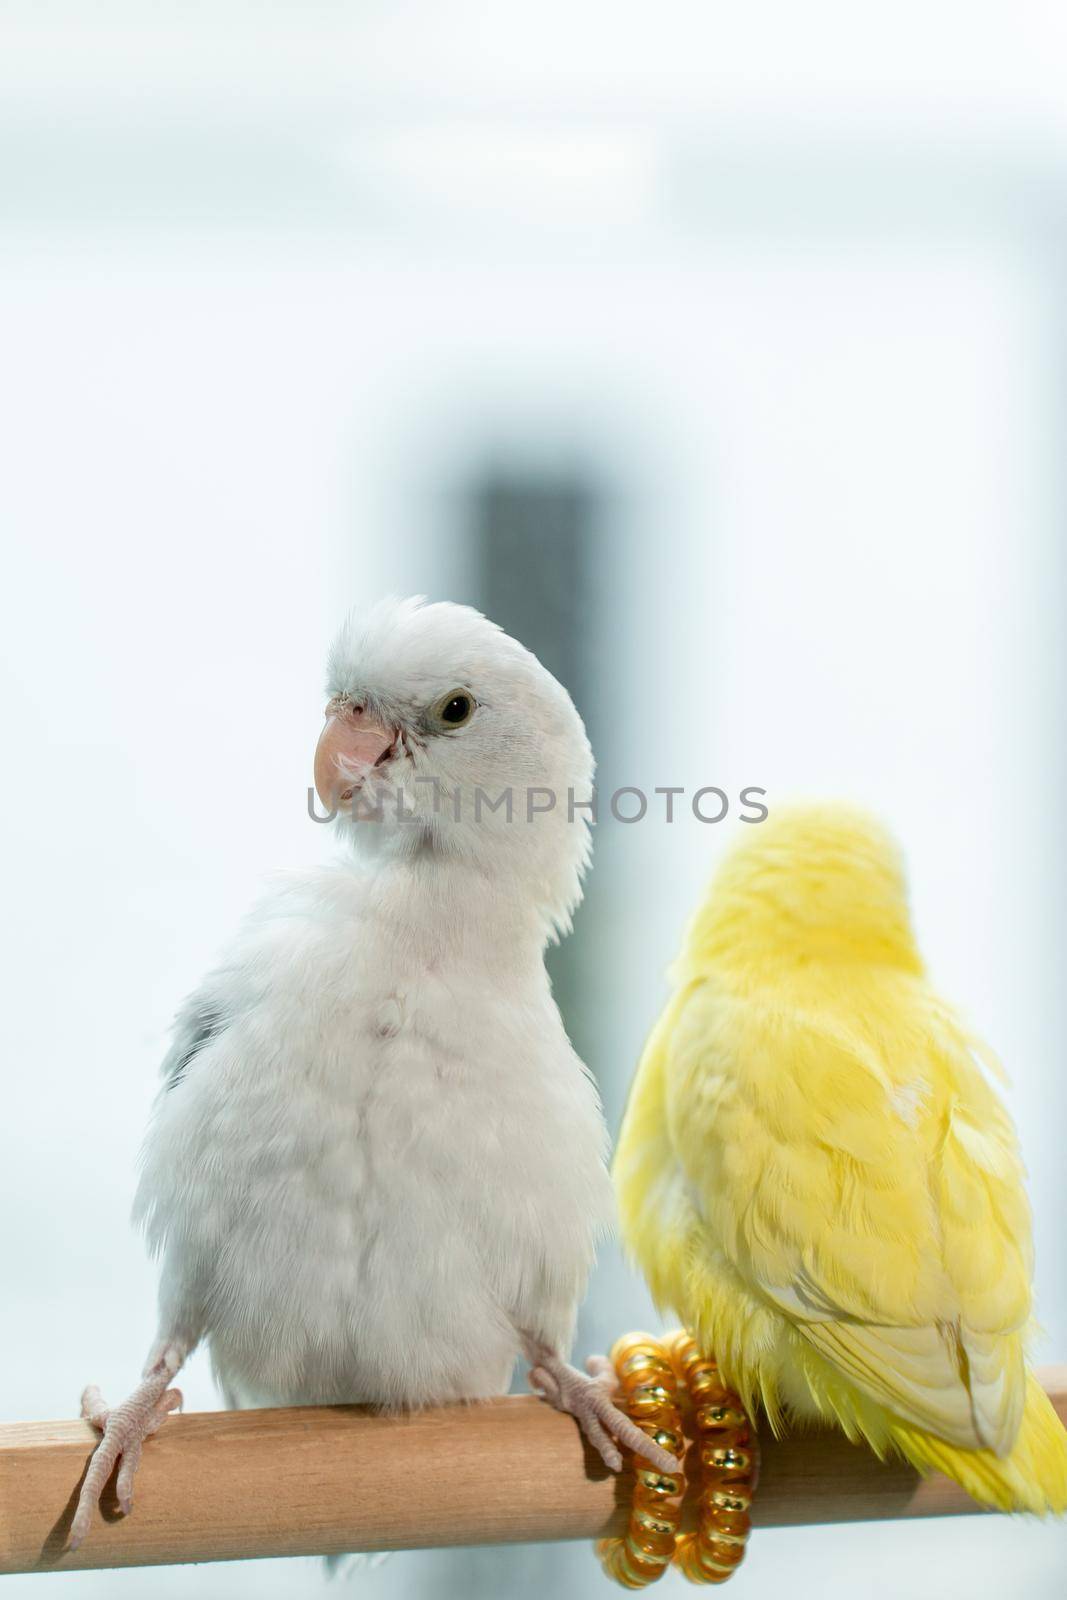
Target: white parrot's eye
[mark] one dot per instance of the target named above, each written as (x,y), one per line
(453,710)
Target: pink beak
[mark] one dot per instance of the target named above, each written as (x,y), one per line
(349,745)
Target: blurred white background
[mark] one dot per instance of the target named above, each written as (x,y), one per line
(781,289)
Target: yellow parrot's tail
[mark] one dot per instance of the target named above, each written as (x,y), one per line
(1032,1477)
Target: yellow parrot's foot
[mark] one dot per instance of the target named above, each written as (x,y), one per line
(587,1398)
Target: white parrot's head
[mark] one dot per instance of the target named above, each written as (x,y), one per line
(444,737)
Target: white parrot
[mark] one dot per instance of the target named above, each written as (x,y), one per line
(376,1172)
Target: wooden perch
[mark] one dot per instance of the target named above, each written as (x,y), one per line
(225,1485)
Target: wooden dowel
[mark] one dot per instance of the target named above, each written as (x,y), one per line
(225,1485)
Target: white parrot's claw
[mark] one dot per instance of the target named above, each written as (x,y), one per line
(588,1400)
(603,1370)
(124,1429)
(546,1386)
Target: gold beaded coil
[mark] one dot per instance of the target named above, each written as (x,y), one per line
(664,1384)
(648,1393)
(729,1468)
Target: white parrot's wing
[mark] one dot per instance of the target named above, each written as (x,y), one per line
(202,1017)
(889,1228)
(232,988)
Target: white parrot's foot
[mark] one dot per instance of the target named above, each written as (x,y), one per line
(588,1400)
(124,1431)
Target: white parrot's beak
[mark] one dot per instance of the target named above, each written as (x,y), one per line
(349,745)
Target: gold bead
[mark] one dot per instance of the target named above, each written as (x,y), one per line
(652,1547)
(723,1542)
(661,1483)
(723,1552)
(720,1415)
(610,1553)
(641,1356)
(639,1572)
(619,1569)
(710,1570)
(666,1438)
(726,1524)
(707,1389)
(681,1347)
(647,1398)
(630,1344)
(694,1567)
(656,1522)
(656,1506)
(685,1557)
(731,1499)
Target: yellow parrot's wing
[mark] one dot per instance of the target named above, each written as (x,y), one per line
(879,1208)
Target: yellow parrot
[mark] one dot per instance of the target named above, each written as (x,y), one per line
(815,1174)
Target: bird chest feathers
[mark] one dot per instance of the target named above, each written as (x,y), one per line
(382,1128)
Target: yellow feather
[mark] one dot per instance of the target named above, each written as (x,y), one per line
(816,1175)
